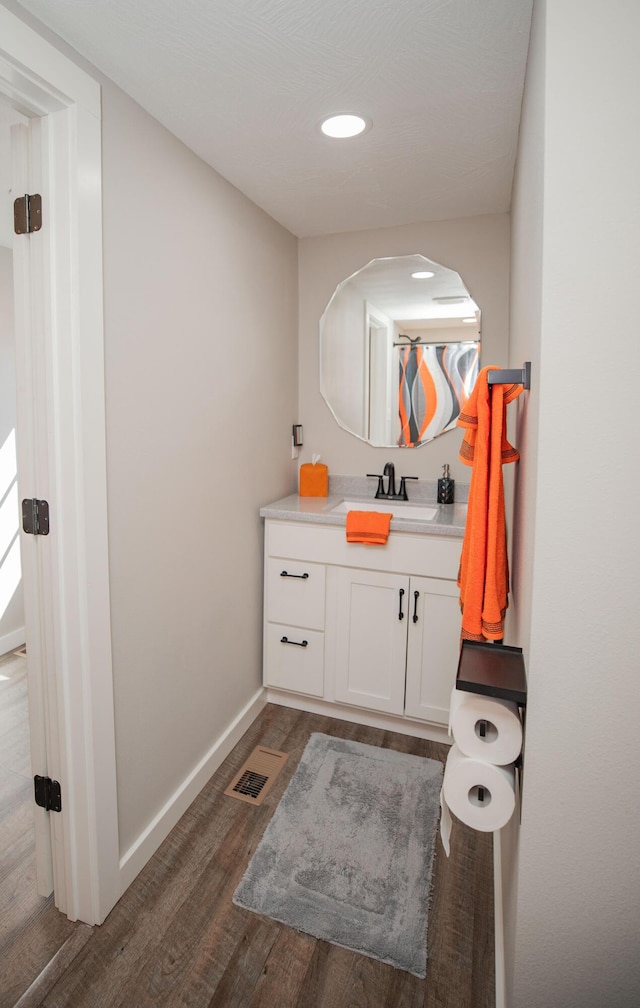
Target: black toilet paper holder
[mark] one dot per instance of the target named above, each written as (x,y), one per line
(495,670)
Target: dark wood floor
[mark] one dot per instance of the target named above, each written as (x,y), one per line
(176,939)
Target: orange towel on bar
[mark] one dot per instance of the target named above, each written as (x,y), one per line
(368,527)
(483,577)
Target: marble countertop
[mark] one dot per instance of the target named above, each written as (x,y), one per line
(449,519)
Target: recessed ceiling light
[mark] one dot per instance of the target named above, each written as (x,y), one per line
(422,275)
(343,126)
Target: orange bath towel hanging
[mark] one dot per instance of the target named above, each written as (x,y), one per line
(483,578)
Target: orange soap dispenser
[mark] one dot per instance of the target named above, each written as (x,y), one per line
(314,479)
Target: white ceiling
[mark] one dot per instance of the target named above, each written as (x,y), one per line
(245,83)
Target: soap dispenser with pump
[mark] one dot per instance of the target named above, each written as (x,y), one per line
(446,487)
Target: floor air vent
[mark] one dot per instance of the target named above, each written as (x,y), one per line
(257,775)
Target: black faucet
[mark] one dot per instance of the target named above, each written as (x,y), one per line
(390,472)
(391,493)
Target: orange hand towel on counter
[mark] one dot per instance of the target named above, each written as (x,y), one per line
(368,527)
(483,578)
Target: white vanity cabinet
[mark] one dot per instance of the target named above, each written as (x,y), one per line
(375,628)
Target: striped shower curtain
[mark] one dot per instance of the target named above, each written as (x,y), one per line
(434,382)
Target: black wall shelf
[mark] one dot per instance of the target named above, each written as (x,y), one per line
(494,670)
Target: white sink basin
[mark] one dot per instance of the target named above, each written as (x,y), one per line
(399,509)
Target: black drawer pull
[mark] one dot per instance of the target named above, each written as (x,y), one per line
(285,640)
(286,574)
(400,612)
(416,596)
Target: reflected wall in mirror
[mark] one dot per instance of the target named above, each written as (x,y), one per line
(399,351)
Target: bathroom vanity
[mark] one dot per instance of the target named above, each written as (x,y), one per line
(367,633)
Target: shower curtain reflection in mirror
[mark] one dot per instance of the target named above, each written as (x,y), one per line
(433,382)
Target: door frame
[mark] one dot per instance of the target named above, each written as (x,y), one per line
(60,341)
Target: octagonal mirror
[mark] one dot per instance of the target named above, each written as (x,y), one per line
(399,351)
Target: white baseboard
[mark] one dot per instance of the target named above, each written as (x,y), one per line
(134,859)
(13,640)
(343,712)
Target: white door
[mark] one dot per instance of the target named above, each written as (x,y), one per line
(433,648)
(371,639)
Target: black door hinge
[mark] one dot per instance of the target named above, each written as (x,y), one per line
(47,794)
(27,214)
(35,516)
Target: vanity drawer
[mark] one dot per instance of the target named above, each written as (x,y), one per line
(295,593)
(293,664)
(405,552)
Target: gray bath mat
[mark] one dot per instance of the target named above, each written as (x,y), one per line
(348,854)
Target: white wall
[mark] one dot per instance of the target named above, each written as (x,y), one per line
(524,330)
(576,259)
(201,364)
(477,248)
(11,596)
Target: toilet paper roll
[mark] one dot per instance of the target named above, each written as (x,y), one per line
(480,794)
(485,728)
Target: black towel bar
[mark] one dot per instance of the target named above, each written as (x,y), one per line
(518,377)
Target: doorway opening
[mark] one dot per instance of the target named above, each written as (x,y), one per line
(23,895)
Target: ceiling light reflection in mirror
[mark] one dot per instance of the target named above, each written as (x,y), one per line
(399,351)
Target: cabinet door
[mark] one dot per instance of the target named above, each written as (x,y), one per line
(371,639)
(433,648)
